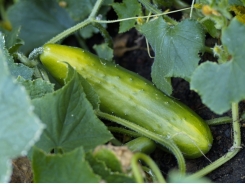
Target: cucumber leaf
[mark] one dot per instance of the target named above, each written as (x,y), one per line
(126,9)
(221,84)
(39,21)
(176,49)
(20,128)
(69,118)
(70,167)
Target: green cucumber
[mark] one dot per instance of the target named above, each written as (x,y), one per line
(129,96)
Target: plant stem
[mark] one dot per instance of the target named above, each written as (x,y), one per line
(123,131)
(168,143)
(232,151)
(104,33)
(150,163)
(70,30)
(219,121)
(149,7)
(95,9)
(192,4)
(178,4)
(208,50)
(116,142)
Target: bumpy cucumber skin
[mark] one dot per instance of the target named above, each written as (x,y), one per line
(130,96)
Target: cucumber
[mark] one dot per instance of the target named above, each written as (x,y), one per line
(129,96)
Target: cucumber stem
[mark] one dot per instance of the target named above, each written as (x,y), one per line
(219,121)
(95,9)
(232,151)
(150,163)
(168,143)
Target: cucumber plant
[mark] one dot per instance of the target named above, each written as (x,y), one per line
(176,46)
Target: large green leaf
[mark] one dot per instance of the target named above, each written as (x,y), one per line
(39,20)
(69,167)
(20,128)
(176,49)
(69,118)
(221,84)
(126,9)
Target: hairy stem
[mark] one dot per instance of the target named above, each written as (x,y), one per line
(219,121)
(123,131)
(104,33)
(95,9)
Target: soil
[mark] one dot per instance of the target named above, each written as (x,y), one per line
(138,60)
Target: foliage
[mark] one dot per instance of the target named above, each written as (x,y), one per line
(58,125)
(177,54)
